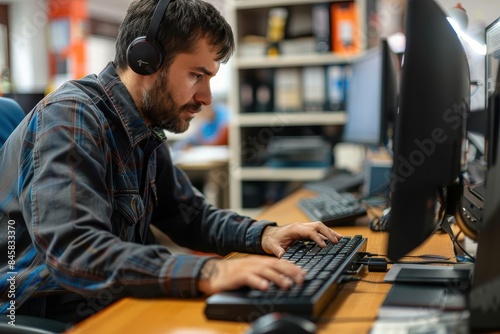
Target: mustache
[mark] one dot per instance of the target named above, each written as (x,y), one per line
(192,107)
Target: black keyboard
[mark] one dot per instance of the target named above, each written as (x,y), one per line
(340,181)
(325,268)
(332,208)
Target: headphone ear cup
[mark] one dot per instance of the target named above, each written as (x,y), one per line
(144,57)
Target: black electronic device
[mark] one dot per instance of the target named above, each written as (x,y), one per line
(326,269)
(145,53)
(429,148)
(428,155)
(484,298)
(372,97)
(282,323)
(458,277)
(331,207)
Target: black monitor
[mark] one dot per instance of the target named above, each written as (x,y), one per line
(484,301)
(428,150)
(430,136)
(372,97)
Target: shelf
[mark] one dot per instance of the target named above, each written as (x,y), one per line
(293,60)
(282,174)
(247,4)
(289,119)
(252,67)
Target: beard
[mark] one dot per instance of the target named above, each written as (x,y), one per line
(159,108)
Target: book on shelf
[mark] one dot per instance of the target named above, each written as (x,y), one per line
(264,90)
(336,86)
(287,89)
(256,91)
(314,88)
(345,32)
(321,27)
(247,96)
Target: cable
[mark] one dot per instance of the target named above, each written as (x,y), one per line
(374,282)
(454,239)
(424,262)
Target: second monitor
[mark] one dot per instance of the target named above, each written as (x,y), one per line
(372,97)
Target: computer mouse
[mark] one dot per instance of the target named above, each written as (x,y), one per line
(282,323)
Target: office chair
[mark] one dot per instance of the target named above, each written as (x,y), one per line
(32,325)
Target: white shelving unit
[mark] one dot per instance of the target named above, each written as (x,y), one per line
(264,124)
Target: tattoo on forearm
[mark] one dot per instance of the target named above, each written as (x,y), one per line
(209,270)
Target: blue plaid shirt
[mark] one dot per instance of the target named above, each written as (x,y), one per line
(81,180)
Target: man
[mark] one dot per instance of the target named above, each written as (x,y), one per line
(87,172)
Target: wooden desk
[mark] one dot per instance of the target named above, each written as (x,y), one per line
(352,311)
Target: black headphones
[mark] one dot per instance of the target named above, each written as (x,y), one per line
(145,54)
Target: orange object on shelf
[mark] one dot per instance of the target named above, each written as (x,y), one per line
(68,31)
(346,38)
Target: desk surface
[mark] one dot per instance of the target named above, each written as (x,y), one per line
(353,310)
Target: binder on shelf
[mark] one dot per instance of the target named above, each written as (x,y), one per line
(287,91)
(336,83)
(322,27)
(264,94)
(314,88)
(346,38)
(247,96)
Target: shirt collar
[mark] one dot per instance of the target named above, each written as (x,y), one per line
(131,118)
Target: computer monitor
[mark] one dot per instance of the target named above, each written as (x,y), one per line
(434,99)
(372,97)
(484,299)
(429,143)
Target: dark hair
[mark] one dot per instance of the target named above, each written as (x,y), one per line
(182,25)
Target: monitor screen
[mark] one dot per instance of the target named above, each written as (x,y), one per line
(429,143)
(372,97)
(484,297)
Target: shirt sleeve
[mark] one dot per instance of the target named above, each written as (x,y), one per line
(68,207)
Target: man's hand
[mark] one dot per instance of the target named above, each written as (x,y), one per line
(276,240)
(253,271)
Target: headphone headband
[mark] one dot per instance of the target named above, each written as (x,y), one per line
(160,9)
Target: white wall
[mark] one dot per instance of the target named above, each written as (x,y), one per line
(100,50)
(480,12)
(28,45)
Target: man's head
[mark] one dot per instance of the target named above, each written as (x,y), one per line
(195,39)
(184,22)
